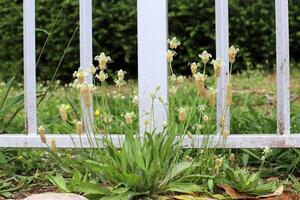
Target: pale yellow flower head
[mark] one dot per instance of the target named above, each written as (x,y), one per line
(102,76)
(180,79)
(170,55)
(217,66)
(229,94)
(79,127)
(173,78)
(107,118)
(173,90)
(218,163)
(80,75)
(53,144)
(212,97)
(103,60)
(200,82)
(199,78)
(121,74)
(232,157)
(86,91)
(205,56)
(267,151)
(93,69)
(63,110)
(194,67)
(202,107)
(199,126)
(225,133)
(128,117)
(232,53)
(120,82)
(205,118)
(174,43)
(41,131)
(182,114)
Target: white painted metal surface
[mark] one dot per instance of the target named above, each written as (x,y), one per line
(152,47)
(29,67)
(222,45)
(86,54)
(152,62)
(233,141)
(282,67)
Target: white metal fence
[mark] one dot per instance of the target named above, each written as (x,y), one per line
(152,70)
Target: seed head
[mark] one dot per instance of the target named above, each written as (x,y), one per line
(128,117)
(182,114)
(102,76)
(180,79)
(217,66)
(205,56)
(79,127)
(170,55)
(174,43)
(63,110)
(205,118)
(103,60)
(41,131)
(229,94)
(80,75)
(194,67)
(121,74)
(225,133)
(232,157)
(107,118)
(53,144)
(86,91)
(212,97)
(232,53)
(93,69)
(218,163)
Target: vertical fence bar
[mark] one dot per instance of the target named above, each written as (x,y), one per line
(86,53)
(282,67)
(29,66)
(222,44)
(152,63)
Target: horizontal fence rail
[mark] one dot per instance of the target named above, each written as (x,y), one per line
(152,71)
(233,141)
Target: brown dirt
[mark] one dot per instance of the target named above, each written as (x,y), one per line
(290,196)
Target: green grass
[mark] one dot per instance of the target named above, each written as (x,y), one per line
(253,109)
(154,167)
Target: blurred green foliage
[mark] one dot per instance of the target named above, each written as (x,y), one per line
(252,29)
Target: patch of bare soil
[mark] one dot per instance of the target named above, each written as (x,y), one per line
(290,196)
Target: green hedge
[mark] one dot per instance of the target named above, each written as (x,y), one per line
(252,29)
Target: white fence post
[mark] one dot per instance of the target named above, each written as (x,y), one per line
(86,54)
(282,67)
(152,62)
(222,45)
(29,66)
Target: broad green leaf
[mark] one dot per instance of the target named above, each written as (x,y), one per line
(59,181)
(179,168)
(185,187)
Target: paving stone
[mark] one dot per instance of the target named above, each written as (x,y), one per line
(55,196)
